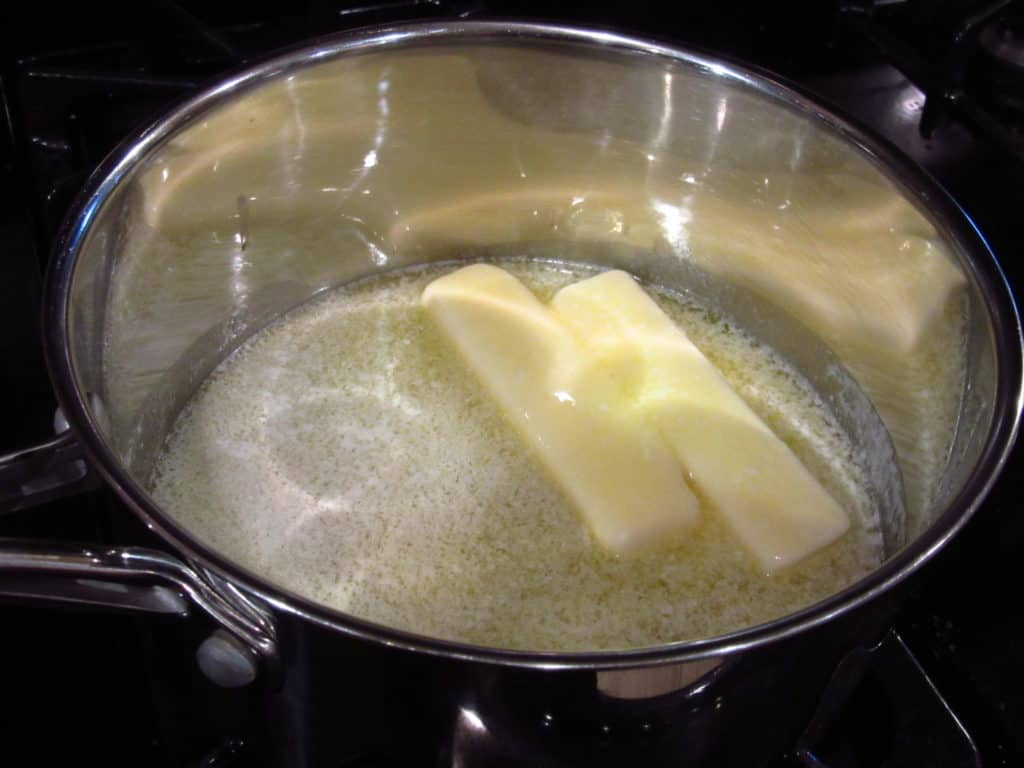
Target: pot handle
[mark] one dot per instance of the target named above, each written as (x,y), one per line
(134,579)
(123,578)
(43,472)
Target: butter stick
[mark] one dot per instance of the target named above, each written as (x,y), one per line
(758,486)
(618,471)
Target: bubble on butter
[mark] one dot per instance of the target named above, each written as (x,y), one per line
(345,454)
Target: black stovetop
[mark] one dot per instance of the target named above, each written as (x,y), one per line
(76,81)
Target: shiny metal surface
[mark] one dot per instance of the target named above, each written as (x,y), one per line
(382,149)
(129,578)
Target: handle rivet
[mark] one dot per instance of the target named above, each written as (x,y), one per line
(226,661)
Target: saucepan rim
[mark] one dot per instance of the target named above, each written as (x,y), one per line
(974,253)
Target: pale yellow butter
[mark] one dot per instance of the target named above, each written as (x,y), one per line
(774,506)
(618,470)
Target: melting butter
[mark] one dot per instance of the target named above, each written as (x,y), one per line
(616,468)
(773,505)
(344,454)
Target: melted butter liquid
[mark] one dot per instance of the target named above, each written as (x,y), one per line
(346,454)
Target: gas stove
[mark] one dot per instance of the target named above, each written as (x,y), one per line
(943,81)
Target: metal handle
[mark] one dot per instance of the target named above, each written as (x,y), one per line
(124,578)
(44,472)
(131,578)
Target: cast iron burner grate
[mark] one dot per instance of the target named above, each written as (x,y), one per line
(882,709)
(973,71)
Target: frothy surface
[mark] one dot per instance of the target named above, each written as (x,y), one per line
(346,454)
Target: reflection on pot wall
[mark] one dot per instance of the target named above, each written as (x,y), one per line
(383,160)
